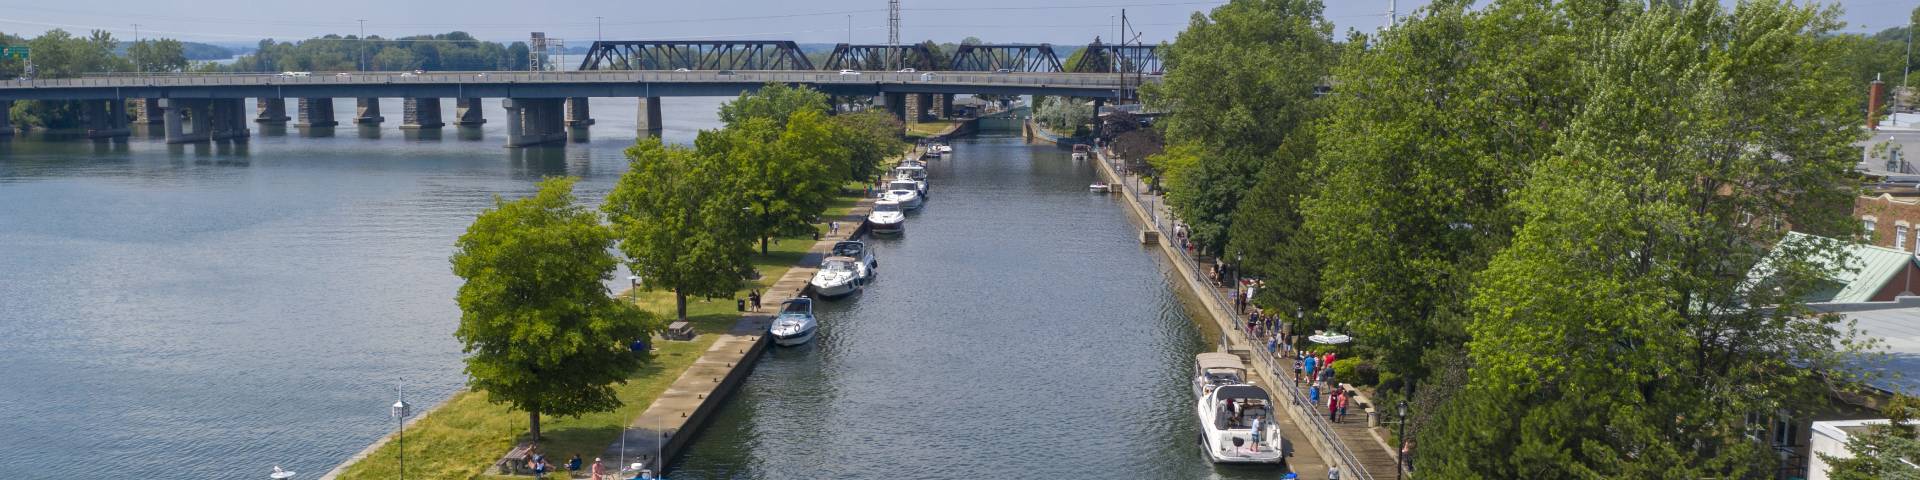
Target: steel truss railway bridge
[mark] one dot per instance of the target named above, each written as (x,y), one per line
(541,105)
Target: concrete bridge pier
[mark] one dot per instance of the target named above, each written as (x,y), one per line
(317,112)
(577,113)
(6,118)
(467,111)
(271,110)
(147,111)
(943,106)
(228,119)
(649,117)
(186,120)
(534,121)
(420,113)
(896,104)
(105,118)
(368,111)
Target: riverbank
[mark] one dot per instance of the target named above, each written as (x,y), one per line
(465,435)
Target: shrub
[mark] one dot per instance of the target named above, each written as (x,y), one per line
(1355,371)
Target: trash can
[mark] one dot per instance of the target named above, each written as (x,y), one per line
(740,305)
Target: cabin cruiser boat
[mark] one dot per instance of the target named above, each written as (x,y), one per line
(839,277)
(941,147)
(915,172)
(907,196)
(887,218)
(1215,369)
(796,324)
(918,186)
(859,252)
(1082,151)
(1100,188)
(1236,425)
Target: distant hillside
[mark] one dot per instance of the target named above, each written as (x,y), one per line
(195,51)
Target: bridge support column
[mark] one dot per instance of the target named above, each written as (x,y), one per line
(317,112)
(896,104)
(228,119)
(147,111)
(943,106)
(650,122)
(920,107)
(105,118)
(186,120)
(577,113)
(534,121)
(419,113)
(6,118)
(368,111)
(271,110)
(467,111)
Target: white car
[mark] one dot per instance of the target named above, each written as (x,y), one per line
(849,72)
(343,74)
(295,74)
(681,70)
(480,75)
(407,75)
(907,70)
(926,76)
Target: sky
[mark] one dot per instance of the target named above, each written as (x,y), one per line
(581,21)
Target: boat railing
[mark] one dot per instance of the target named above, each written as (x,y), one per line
(1132,184)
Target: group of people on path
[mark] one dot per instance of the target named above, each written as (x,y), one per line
(1316,371)
(537,462)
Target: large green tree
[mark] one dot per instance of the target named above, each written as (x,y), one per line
(1619,335)
(774,101)
(786,175)
(540,331)
(164,55)
(1239,83)
(871,138)
(677,214)
(1431,126)
(1884,451)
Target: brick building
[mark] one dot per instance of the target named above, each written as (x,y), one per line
(1890,221)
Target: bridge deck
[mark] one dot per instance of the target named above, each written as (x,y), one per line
(557,84)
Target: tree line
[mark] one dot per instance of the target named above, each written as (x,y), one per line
(453,51)
(540,330)
(1537,218)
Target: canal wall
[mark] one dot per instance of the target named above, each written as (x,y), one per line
(1309,464)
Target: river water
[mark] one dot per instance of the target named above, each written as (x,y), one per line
(212,311)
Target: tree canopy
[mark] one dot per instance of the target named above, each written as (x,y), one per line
(677,215)
(540,331)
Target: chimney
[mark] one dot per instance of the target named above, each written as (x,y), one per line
(1874,93)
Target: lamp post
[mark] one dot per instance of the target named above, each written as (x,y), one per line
(1399,459)
(400,412)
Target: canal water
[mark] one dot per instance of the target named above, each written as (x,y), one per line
(1017,330)
(212,311)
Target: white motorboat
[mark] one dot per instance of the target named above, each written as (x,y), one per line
(943,148)
(918,186)
(908,197)
(1082,151)
(858,251)
(1099,188)
(1214,369)
(796,324)
(838,277)
(1236,425)
(916,172)
(887,218)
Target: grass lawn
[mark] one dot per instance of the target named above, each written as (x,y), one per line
(462,439)
(929,128)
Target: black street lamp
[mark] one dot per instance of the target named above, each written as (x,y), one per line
(400,412)
(1399,459)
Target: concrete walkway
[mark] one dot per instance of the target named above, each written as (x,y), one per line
(669,424)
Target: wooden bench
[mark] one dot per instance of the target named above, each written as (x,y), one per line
(515,461)
(680,331)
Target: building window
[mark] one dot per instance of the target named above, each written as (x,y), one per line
(1784,431)
(1900,237)
(1867,222)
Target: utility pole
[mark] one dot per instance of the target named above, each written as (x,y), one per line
(1906,67)
(1393,13)
(596,29)
(138,68)
(893,33)
(363,44)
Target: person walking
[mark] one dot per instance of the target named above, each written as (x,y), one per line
(1333,472)
(1296,373)
(597,469)
(1346,398)
(754,298)
(1333,407)
(833,227)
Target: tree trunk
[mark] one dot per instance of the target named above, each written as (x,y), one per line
(763,246)
(533,425)
(680,302)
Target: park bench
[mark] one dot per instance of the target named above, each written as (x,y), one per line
(680,331)
(515,461)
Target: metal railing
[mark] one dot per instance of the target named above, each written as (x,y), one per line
(1132,184)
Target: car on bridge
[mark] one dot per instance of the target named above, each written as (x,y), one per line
(849,72)
(295,74)
(926,77)
(907,70)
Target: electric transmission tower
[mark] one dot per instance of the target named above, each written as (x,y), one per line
(893,34)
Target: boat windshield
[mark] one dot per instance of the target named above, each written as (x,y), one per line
(848,249)
(802,308)
(837,266)
(886,207)
(904,185)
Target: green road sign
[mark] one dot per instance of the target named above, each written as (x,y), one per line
(17,53)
